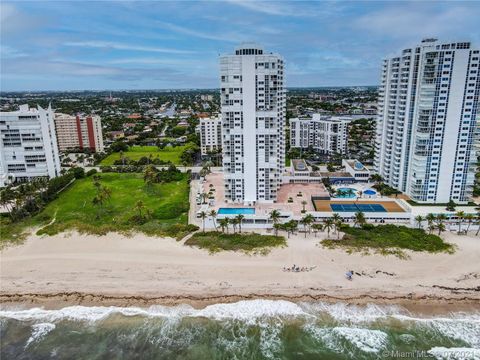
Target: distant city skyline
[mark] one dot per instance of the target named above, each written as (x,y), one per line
(176,45)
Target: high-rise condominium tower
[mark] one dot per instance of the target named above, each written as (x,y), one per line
(28,145)
(427,131)
(79,132)
(253,122)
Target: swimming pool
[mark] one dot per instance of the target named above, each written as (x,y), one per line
(357,207)
(346,193)
(236,211)
(370,192)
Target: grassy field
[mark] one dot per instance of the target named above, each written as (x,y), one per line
(389,240)
(136,152)
(74,209)
(248,242)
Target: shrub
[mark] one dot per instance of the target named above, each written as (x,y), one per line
(214,241)
(138,220)
(118,146)
(78,172)
(91,172)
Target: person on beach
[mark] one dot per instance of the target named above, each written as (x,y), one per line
(349,274)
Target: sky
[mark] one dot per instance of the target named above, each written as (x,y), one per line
(97,45)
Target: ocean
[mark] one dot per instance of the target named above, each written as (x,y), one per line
(255,329)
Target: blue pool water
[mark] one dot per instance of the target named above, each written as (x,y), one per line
(348,193)
(236,211)
(369,192)
(357,207)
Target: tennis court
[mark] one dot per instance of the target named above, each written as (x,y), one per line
(357,207)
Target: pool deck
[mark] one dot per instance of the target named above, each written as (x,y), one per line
(389,205)
(285,192)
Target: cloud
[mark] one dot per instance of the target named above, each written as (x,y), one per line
(417,20)
(15,22)
(229,37)
(46,67)
(7,52)
(289,9)
(120,46)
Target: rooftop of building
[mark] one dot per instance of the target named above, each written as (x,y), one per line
(322,117)
(336,174)
(25,109)
(300,165)
(356,165)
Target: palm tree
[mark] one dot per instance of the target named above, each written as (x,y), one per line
(277,227)
(293,226)
(304,222)
(149,175)
(203,216)
(441,218)
(469,218)
(139,206)
(338,225)
(204,196)
(223,224)
(419,219)
(376,178)
(234,223)
(275,217)
(328,225)
(239,219)
(310,220)
(478,222)
(304,203)
(359,218)
(336,219)
(106,193)
(460,215)
(7,196)
(316,228)
(430,219)
(441,228)
(431,227)
(213,215)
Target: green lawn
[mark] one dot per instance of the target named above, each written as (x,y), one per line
(136,152)
(248,242)
(388,239)
(73,209)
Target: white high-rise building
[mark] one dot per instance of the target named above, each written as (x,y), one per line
(210,135)
(28,145)
(253,123)
(325,134)
(427,129)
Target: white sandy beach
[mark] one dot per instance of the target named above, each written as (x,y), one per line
(125,270)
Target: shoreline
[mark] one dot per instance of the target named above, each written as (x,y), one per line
(427,303)
(140,270)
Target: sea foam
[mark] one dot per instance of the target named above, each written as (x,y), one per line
(39,331)
(242,310)
(366,340)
